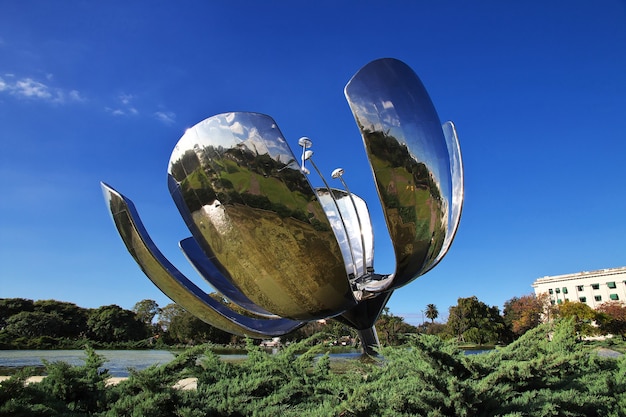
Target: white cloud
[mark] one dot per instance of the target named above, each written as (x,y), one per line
(126,98)
(29,88)
(387,104)
(166,117)
(75,95)
(115,112)
(124,107)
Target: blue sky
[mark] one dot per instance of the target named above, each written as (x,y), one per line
(102,91)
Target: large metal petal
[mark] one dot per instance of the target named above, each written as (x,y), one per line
(213,276)
(246,202)
(456,170)
(178,287)
(409,159)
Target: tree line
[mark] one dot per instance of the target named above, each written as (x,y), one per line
(45,324)
(474,322)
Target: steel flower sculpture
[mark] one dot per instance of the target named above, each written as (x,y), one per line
(287,252)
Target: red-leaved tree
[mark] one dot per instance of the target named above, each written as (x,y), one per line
(612,318)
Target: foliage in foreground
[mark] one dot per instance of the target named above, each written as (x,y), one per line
(544,373)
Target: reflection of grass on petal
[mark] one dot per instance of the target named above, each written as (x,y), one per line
(196,179)
(280,270)
(413,202)
(271,187)
(240,180)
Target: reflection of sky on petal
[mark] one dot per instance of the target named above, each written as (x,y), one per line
(354,232)
(257,132)
(183,145)
(456,167)
(402,108)
(220,134)
(366,229)
(338,228)
(353,229)
(262,137)
(456,172)
(216,213)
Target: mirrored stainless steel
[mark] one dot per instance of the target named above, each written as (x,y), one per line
(175,285)
(207,270)
(362,213)
(458,188)
(409,158)
(256,216)
(349,218)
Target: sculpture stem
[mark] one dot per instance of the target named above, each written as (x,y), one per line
(369,341)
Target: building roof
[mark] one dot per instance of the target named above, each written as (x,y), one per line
(580,275)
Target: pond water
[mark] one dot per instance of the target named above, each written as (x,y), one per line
(117,361)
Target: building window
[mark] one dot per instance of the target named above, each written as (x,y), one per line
(614,297)
(559,301)
(580,288)
(595,286)
(583,299)
(552,302)
(598,298)
(550,291)
(564,290)
(611,284)
(557,290)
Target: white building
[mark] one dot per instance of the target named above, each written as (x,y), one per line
(592,288)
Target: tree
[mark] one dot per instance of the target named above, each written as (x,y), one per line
(391,329)
(306,331)
(581,314)
(187,328)
(431,312)
(114,324)
(32,324)
(11,306)
(167,315)
(146,310)
(612,317)
(524,313)
(473,321)
(74,318)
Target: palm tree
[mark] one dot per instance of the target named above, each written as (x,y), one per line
(431,312)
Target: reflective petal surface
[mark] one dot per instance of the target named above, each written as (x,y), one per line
(350,219)
(175,285)
(456,172)
(246,202)
(409,158)
(213,276)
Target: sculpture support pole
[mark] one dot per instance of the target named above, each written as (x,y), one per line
(369,341)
